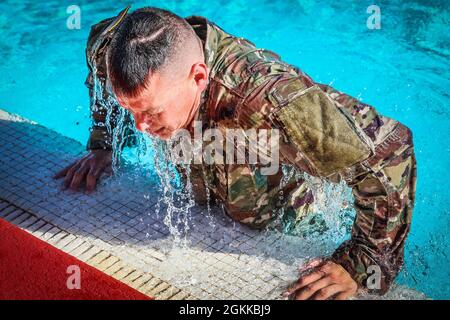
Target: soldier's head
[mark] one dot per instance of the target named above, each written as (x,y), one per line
(156,67)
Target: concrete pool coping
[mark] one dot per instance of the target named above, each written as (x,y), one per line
(122,230)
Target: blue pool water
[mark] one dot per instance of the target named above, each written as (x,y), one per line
(401,69)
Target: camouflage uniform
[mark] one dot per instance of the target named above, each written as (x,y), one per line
(323,132)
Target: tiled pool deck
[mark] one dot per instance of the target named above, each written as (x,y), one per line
(117,229)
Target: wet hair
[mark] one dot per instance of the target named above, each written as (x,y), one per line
(145,42)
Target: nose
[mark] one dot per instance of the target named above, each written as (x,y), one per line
(141,121)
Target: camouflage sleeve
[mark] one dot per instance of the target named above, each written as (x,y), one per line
(100,137)
(329,133)
(384,191)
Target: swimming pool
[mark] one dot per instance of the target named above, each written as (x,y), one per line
(401,69)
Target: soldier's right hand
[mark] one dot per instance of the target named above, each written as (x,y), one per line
(86,171)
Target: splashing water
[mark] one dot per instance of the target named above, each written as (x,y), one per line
(174,197)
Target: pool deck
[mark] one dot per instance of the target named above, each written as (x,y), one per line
(120,230)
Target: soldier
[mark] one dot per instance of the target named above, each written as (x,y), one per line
(168,72)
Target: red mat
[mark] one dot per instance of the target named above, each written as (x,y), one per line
(32,269)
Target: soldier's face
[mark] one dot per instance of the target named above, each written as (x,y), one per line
(168,102)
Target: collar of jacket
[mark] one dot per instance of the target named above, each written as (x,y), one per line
(103,39)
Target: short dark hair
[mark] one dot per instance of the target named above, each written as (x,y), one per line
(143,43)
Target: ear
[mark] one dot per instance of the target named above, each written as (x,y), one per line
(200,74)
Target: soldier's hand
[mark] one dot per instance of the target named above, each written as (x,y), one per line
(86,170)
(325,280)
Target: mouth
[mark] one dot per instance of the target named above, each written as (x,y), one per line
(156,132)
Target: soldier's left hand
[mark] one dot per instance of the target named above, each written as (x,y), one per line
(324,280)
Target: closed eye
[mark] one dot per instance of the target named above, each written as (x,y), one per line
(154,112)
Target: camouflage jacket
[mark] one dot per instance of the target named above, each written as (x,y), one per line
(323,132)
